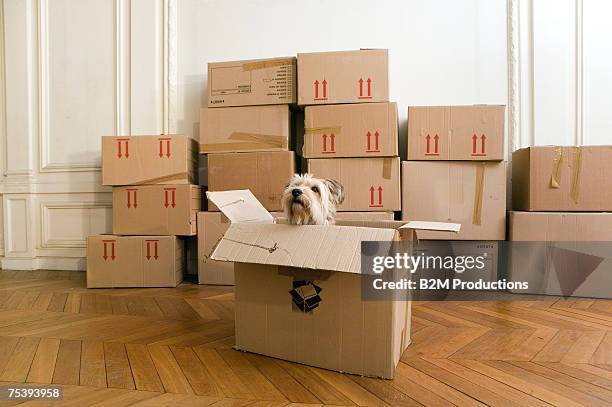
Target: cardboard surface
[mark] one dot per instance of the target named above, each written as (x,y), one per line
(134,261)
(264,173)
(561,253)
(555,178)
(343,77)
(448,192)
(156,209)
(456,132)
(243,129)
(138,160)
(352,130)
(252,82)
(370,184)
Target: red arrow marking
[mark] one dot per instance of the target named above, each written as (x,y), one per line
(168,148)
(331,139)
(380,195)
(360,87)
(316,83)
(428,139)
(166,198)
(113,250)
(173,198)
(482,144)
(105,254)
(128,194)
(369,136)
(155,255)
(369,87)
(436,143)
(118,148)
(324,88)
(127,148)
(161,151)
(135,199)
(148,249)
(376,135)
(324,142)
(372,195)
(474,137)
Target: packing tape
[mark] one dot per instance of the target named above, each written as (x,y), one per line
(478,192)
(576,169)
(252,66)
(319,130)
(555,177)
(387,164)
(250,141)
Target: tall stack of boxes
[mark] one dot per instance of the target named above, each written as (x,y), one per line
(350,130)
(246,138)
(155,200)
(561,226)
(455,173)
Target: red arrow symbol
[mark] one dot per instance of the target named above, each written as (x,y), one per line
(161,151)
(332,148)
(135,199)
(380,195)
(436,143)
(127,148)
(168,148)
(155,255)
(119,148)
(428,142)
(316,83)
(369,87)
(324,142)
(166,198)
(324,88)
(173,198)
(360,87)
(369,136)
(148,249)
(372,195)
(376,135)
(105,254)
(128,194)
(482,144)
(113,250)
(474,137)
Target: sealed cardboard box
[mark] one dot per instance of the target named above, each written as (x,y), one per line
(249,128)
(156,209)
(352,130)
(558,253)
(134,261)
(301,316)
(264,173)
(138,160)
(211,228)
(253,82)
(370,184)
(343,77)
(555,178)
(456,133)
(470,193)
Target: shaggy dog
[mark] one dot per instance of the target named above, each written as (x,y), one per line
(312,201)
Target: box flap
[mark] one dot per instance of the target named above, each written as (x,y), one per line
(439,226)
(240,206)
(335,248)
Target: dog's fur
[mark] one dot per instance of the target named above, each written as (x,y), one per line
(317,202)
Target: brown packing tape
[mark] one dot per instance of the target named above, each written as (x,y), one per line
(576,169)
(478,194)
(555,177)
(252,66)
(318,130)
(387,164)
(247,141)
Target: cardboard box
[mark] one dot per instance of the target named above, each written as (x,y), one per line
(134,261)
(156,209)
(211,228)
(565,254)
(240,129)
(470,193)
(343,77)
(139,160)
(335,328)
(555,178)
(253,82)
(264,173)
(354,130)
(370,184)
(456,133)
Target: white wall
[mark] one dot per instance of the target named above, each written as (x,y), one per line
(440,51)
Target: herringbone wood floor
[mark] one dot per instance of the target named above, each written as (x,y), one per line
(154,347)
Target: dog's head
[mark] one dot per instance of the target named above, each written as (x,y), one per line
(311,201)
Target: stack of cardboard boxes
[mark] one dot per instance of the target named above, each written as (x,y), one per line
(155,199)
(350,129)
(246,138)
(561,228)
(456,173)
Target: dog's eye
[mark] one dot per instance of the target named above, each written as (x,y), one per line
(315,189)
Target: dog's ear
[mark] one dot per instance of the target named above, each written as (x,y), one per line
(336,191)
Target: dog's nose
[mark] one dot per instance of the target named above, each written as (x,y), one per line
(296,192)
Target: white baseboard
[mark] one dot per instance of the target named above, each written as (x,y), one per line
(45,263)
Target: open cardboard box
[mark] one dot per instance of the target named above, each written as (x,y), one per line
(280,267)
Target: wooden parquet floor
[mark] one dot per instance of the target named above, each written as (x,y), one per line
(163,347)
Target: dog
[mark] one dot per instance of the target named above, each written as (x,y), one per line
(308,200)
